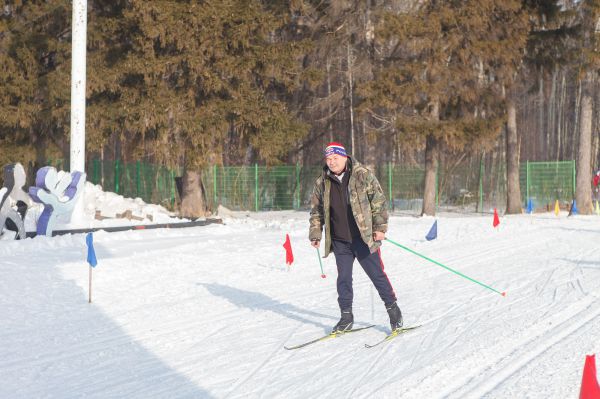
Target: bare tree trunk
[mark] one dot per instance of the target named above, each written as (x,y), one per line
(550,131)
(40,148)
(481,159)
(577,117)
(431,163)
(540,151)
(351,95)
(193,204)
(513,189)
(562,141)
(102,165)
(583,194)
(329,122)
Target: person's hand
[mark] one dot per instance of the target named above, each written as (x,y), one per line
(378,236)
(315,243)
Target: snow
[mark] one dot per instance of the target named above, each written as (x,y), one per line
(204,312)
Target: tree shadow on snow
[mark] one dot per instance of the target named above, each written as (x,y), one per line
(53,343)
(257,301)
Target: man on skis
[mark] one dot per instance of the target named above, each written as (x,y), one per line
(349,203)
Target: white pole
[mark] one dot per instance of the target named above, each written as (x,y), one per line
(90,290)
(79,38)
(78,76)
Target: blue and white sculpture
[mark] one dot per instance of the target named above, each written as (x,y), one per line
(58,191)
(12,196)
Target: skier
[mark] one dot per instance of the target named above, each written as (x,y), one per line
(349,203)
(596,182)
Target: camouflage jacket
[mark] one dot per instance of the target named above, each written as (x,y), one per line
(367,201)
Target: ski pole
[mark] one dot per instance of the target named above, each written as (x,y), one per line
(320,263)
(447,268)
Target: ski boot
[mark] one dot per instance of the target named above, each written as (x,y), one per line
(395,316)
(345,323)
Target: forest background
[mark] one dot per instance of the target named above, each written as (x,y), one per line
(195,84)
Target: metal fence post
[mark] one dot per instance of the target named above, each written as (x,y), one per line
(224,194)
(391,205)
(481,170)
(574,179)
(137,178)
(297,185)
(527,180)
(117,176)
(256,187)
(437,176)
(215,185)
(172,188)
(143,184)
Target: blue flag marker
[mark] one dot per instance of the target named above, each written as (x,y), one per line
(529,206)
(574,210)
(91,255)
(432,235)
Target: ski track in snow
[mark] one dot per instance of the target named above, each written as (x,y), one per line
(522,355)
(481,380)
(205,312)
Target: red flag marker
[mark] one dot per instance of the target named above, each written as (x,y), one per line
(289,256)
(496,218)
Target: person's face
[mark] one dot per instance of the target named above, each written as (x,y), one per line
(336,163)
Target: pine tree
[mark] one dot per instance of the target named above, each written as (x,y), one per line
(443,74)
(34,76)
(200,81)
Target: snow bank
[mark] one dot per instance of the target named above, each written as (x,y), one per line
(105,209)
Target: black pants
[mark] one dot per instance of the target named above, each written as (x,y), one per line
(345,253)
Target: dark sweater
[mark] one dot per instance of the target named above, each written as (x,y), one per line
(343,225)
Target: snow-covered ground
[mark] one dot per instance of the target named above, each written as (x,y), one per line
(205,312)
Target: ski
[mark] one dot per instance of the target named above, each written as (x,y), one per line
(393,335)
(326,337)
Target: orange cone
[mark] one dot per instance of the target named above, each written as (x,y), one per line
(589,381)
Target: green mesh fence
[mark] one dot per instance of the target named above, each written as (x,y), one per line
(459,186)
(259,187)
(470,186)
(233,187)
(152,183)
(546,182)
(403,186)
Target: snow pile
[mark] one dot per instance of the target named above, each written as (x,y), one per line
(105,209)
(110,205)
